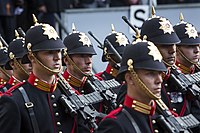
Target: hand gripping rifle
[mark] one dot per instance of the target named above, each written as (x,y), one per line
(173,124)
(79,104)
(188,83)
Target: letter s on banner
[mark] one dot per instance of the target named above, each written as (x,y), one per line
(138,14)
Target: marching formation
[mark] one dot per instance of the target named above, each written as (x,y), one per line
(150,85)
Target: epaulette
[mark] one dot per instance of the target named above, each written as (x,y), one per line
(9,92)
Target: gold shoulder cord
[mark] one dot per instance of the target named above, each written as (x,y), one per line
(137,79)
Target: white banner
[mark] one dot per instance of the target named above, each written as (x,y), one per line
(138,14)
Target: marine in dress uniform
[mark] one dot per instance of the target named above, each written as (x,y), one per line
(21,71)
(119,41)
(134,116)
(166,39)
(78,59)
(188,49)
(188,53)
(36,106)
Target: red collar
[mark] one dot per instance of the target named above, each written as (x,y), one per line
(13,81)
(41,85)
(139,106)
(111,70)
(73,80)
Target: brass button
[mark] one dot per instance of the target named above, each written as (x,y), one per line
(53,97)
(58,123)
(57,114)
(54,105)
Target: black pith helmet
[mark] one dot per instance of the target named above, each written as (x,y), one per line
(78,43)
(144,55)
(119,41)
(16,50)
(4,56)
(186,33)
(42,37)
(159,30)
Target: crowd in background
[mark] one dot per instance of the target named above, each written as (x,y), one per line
(18,13)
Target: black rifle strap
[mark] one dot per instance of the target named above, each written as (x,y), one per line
(134,124)
(29,105)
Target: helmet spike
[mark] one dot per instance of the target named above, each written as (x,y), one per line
(73,27)
(181,17)
(35,19)
(137,33)
(153,11)
(112,28)
(16,34)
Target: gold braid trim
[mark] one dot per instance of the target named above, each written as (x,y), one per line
(141,107)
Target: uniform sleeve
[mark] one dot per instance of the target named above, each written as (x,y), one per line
(109,125)
(9,116)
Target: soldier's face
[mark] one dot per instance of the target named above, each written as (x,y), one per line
(152,79)
(51,59)
(168,53)
(83,62)
(191,52)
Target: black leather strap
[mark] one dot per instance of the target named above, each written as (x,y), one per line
(29,105)
(134,124)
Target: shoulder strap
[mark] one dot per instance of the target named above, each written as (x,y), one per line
(134,124)
(29,105)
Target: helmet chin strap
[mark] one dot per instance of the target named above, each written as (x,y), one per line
(76,67)
(194,63)
(21,67)
(47,68)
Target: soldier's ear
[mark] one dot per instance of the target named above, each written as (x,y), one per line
(66,61)
(12,64)
(31,58)
(129,79)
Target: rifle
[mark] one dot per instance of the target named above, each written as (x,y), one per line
(173,124)
(21,32)
(3,41)
(81,104)
(188,83)
(105,88)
